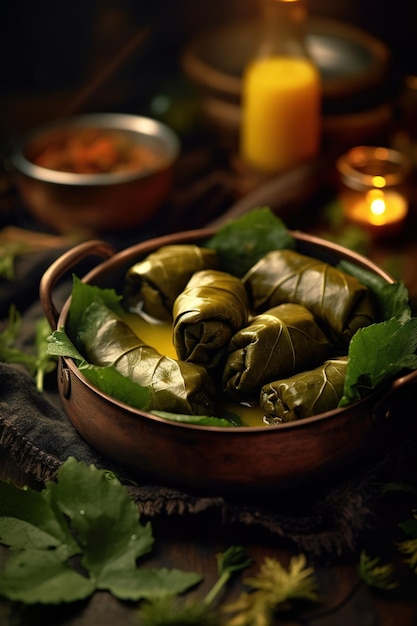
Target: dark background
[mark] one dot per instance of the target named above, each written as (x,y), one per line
(50,50)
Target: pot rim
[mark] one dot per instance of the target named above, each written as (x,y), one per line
(151,131)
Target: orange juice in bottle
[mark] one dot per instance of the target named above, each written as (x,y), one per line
(281,94)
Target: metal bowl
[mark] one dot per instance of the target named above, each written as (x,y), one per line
(247,459)
(96,202)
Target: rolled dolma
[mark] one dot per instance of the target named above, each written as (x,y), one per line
(175,386)
(153,283)
(212,307)
(278,343)
(304,394)
(338,301)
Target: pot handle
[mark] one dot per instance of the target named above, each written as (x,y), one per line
(64,264)
(384,409)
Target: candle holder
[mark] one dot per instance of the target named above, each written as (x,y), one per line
(373,190)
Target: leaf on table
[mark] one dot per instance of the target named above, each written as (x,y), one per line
(81,533)
(273,588)
(42,576)
(154,584)
(28,522)
(376,574)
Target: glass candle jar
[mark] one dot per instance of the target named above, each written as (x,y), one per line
(373,189)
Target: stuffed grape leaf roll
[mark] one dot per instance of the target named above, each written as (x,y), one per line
(176,387)
(153,283)
(278,343)
(212,307)
(338,301)
(304,394)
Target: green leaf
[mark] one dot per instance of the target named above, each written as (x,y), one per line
(105,378)
(273,588)
(37,364)
(8,352)
(45,363)
(82,295)
(378,353)
(27,521)
(149,584)
(81,533)
(242,242)
(107,525)
(409,548)
(59,344)
(375,574)
(41,576)
(200,420)
(393,299)
(118,386)
(296,582)
(173,611)
(232,560)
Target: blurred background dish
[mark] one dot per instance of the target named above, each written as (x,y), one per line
(354,67)
(95,172)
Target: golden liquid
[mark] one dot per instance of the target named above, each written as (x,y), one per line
(159,336)
(281,113)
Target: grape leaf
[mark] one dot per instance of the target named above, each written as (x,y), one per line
(41,576)
(377,353)
(80,534)
(105,378)
(393,299)
(240,243)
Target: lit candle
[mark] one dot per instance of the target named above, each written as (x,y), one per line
(372,195)
(379,209)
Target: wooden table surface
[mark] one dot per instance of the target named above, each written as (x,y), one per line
(189,544)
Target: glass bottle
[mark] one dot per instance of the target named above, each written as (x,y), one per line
(281,93)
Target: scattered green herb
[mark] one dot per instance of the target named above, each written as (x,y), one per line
(375,574)
(44,362)
(82,533)
(38,363)
(7,259)
(232,560)
(273,589)
(175,612)
(408,547)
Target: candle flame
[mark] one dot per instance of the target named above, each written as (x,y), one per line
(376,201)
(378,206)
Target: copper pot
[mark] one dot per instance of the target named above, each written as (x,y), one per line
(99,202)
(244,459)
